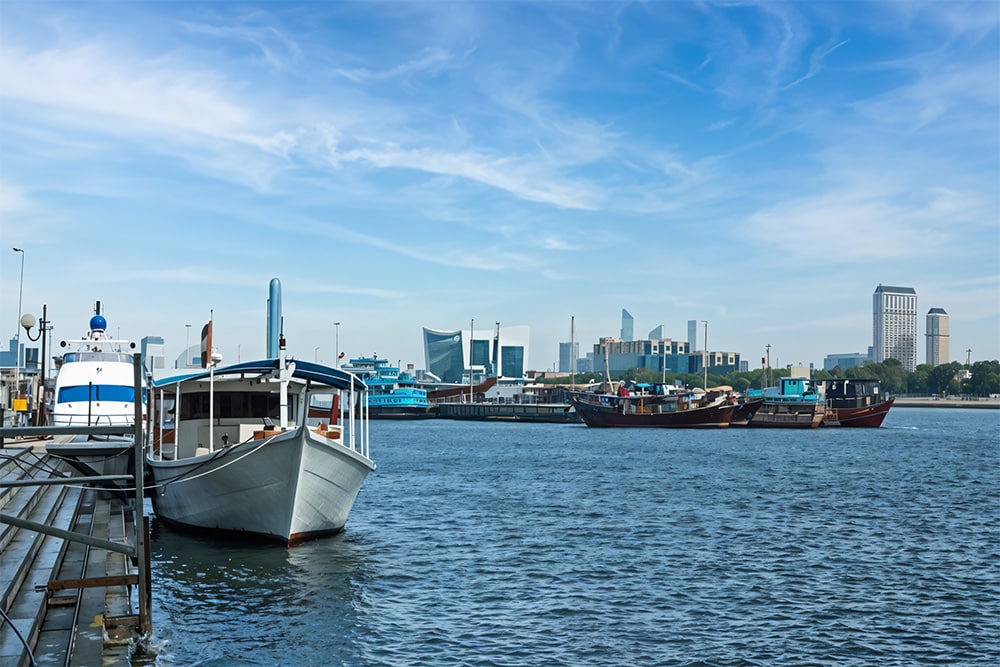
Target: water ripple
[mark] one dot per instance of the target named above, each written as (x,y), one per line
(508,544)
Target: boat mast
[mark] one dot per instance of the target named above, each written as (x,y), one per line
(472,340)
(705,359)
(283,376)
(572,354)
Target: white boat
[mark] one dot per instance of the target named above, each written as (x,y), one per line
(95,386)
(260,449)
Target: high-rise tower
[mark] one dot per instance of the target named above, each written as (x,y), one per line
(894,324)
(627,325)
(937,337)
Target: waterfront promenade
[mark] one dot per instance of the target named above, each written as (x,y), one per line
(952,402)
(71,602)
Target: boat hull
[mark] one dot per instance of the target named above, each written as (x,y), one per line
(288,488)
(547,413)
(610,414)
(788,415)
(862,417)
(403,412)
(92,458)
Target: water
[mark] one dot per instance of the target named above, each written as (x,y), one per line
(531,544)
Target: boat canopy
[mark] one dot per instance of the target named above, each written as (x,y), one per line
(304,370)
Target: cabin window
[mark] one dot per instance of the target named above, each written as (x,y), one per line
(233,405)
(96,392)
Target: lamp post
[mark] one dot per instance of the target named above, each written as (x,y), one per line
(316,354)
(28,321)
(336,349)
(20,291)
(187,345)
(768,346)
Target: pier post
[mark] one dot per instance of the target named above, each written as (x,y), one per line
(141,522)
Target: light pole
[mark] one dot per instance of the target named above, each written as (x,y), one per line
(28,321)
(316,354)
(336,349)
(187,345)
(20,291)
(768,347)
(704,358)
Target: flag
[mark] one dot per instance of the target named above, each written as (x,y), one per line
(206,345)
(340,356)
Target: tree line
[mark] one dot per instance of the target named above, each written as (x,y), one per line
(982,378)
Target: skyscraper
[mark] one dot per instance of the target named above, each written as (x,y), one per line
(894,324)
(568,354)
(627,325)
(443,354)
(937,337)
(692,335)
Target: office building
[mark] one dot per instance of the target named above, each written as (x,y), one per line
(845,361)
(692,334)
(937,337)
(628,325)
(447,353)
(568,354)
(443,355)
(894,324)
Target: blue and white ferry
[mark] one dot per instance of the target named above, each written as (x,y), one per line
(392,394)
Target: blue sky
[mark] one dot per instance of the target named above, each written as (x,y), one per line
(761,166)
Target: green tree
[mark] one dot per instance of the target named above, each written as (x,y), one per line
(985,378)
(941,379)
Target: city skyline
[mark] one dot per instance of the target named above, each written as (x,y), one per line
(397,166)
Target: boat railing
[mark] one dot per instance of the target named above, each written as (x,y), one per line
(120,419)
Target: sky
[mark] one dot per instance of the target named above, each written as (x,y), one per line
(761,166)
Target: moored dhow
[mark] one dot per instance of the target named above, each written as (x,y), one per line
(657,406)
(855,403)
(795,403)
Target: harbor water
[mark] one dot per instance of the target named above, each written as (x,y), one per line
(480,543)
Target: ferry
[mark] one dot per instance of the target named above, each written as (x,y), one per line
(393,394)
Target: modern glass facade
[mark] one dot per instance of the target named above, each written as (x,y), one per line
(443,354)
(481,355)
(512,361)
(568,352)
(628,325)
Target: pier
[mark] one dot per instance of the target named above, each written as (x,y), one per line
(74,558)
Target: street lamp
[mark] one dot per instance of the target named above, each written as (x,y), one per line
(28,321)
(336,349)
(316,354)
(20,291)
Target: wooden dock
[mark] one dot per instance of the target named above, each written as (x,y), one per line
(74,599)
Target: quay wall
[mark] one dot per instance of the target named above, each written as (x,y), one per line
(921,402)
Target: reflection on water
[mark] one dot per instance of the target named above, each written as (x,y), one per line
(280,597)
